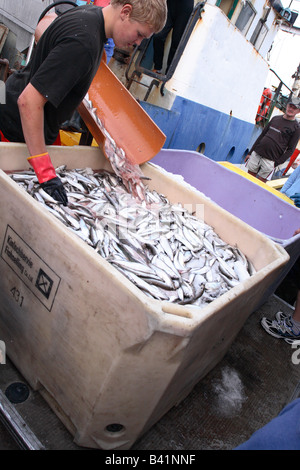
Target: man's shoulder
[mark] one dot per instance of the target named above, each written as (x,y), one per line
(297,126)
(91,17)
(278,118)
(281,120)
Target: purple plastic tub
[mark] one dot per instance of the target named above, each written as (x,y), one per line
(256,206)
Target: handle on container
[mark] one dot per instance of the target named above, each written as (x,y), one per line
(176,309)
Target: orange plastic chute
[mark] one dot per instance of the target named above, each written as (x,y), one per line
(122,116)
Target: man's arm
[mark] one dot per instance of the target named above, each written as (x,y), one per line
(290,148)
(43,25)
(31,107)
(291,180)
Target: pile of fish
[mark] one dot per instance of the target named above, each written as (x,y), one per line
(161,247)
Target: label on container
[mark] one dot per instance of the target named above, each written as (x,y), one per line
(2,352)
(2,92)
(42,281)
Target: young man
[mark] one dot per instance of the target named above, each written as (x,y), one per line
(292,187)
(276,143)
(287,327)
(49,89)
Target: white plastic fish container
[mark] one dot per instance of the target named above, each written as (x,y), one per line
(110,360)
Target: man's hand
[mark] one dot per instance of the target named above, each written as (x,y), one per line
(47,177)
(56,189)
(296,199)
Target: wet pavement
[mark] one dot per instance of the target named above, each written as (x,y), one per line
(257,377)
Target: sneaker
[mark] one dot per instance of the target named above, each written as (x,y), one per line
(280,316)
(283,327)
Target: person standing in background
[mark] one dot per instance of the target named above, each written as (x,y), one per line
(287,327)
(292,186)
(276,143)
(179,12)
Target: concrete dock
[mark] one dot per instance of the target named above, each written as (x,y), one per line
(257,377)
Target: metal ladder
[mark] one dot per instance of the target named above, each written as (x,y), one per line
(140,53)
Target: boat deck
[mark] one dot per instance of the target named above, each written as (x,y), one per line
(257,377)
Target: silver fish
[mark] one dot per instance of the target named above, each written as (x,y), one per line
(161,247)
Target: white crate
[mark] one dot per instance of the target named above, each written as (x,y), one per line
(109,360)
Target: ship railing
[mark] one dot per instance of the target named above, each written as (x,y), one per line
(136,68)
(280,96)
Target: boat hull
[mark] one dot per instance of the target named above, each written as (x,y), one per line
(193,126)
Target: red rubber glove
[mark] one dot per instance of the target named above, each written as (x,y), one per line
(42,166)
(47,177)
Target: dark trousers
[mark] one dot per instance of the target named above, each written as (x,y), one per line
(2,138)
(179,12)
(289,287)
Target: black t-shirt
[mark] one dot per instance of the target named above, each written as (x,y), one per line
(278,140)
(62,68)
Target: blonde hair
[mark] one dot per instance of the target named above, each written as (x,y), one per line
(152,12)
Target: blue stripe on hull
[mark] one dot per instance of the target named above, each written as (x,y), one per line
(188,125)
